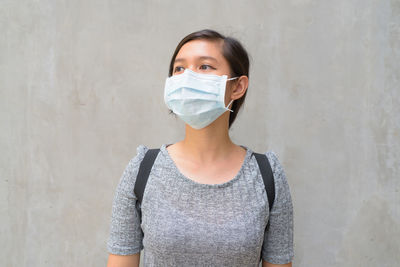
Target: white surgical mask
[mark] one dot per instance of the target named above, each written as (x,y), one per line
(198,99)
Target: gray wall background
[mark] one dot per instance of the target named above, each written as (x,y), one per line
(81,86)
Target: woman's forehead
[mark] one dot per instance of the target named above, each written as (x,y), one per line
(200,49)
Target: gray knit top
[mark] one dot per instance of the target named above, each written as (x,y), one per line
(187,223)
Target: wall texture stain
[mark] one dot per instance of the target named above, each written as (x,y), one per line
(372,234)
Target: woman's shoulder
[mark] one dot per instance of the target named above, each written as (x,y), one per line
(128,177)
(272,158)
(276,167)
(282,188)
(274,161)
(138,157)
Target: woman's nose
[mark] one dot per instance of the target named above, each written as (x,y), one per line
(191,67)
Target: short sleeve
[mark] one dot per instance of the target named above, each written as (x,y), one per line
(278,238)
(126,235)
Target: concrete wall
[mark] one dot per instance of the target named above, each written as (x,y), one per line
(81,85)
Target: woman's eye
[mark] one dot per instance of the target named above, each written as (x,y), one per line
(206,67)
(178,69)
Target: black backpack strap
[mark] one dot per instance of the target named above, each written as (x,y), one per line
(268,177)
(143,174)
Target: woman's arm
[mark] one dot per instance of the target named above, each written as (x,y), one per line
(125,240)
(124,261)
(277,249)
(267,264)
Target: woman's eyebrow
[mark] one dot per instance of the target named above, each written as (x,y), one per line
(208,57)
(200,58)
(179,60)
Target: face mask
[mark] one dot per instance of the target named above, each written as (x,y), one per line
(198,99)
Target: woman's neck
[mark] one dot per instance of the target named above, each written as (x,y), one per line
(209,143)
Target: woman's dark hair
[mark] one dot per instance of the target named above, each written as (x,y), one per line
(233,52)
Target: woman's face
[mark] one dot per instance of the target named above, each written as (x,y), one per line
(202,56)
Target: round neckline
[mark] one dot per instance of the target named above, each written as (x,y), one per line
(164,150)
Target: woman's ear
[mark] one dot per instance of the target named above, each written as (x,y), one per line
(240,87)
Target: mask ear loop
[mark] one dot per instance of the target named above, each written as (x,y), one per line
(232,99)
(228,106)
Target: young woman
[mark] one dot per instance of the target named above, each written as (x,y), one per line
(205,202)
